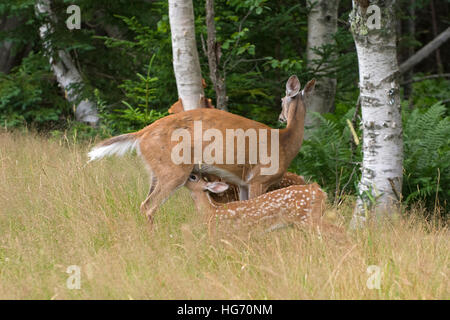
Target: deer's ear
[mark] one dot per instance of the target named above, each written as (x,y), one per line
(292,86)
(217,187)
(309,88)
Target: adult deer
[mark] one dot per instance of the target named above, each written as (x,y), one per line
(232,193)
(156,144)
(296,203)
(178,106)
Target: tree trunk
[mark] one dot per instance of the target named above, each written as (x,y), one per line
(186,63)
(381,180)
(213,52)
(7,59)
(411,25)
(434,25)
(322,25)
(64,68)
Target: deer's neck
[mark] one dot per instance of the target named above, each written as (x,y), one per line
(205,204)
(291,138)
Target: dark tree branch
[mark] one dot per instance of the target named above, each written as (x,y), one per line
(433,76)
(238,40)
(425,51)
(202,40)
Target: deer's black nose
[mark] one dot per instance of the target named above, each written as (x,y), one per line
(281,119)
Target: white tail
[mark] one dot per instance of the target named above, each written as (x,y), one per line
(155,144)
(115,146)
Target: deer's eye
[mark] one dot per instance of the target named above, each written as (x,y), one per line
(193,177)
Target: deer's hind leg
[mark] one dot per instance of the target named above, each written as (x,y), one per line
(153,183)
(167,182)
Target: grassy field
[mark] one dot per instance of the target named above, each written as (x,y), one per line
(56,211)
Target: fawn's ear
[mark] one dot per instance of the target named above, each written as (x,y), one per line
(292,86)
(217,187)
(309,88)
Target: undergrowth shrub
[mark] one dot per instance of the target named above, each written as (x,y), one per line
(327,157)
(28,95)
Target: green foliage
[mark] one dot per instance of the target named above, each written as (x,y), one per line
(427,151)
(124,54)
(429,92)
(140,91)
(255,67)
(137,114)
(25,34)
(29,95)
(145,99)
(132,118)
(326,157)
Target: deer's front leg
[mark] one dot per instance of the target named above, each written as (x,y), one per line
(259,184)
(256,189)
(243,193)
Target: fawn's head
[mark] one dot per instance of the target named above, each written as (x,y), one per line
(294,97)
(197,184)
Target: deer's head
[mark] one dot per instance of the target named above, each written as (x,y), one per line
(196,184)
(294,97)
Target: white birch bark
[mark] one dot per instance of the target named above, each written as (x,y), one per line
(186,63)
(381,112)
(322,25)
(67,74)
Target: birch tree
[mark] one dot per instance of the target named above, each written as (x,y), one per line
(64,68)
(374,32)
(322,25)
(186,63)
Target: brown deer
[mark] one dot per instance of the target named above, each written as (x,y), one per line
(156,144)
(297,203)
(178,106)
(232,193)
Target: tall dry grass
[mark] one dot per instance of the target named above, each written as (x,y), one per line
(56,211)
